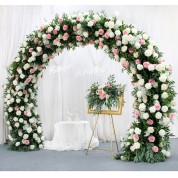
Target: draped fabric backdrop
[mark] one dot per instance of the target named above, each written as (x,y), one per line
(65,82)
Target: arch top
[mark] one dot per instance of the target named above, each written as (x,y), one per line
(147,138)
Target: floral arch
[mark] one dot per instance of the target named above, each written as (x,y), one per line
(147,138)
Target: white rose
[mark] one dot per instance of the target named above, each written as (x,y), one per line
(34,54)
(134,30)
(19,71)
(17,143)
(15,119)
(26,66)
(17,124)
(44,36)
(135,54)
(39,49)
(155,97)
(151,67)
(22,108)
(42,138)
(166,120)
(118,43)
(10,109)
(158,115)
(122,59)
(162,133)
(18,113)
(148,86)
(137,45)
(85,34)
(25,136)
(21,120)
(142,107)
(169,78)
(90,23)
(139,66)
(29,129)
(8,96)
(150,129)
(111,34)
(145,99)
(79,26)
(118,23)
(35,135)
(164,95)
(39,129)
(20,93)
(57,27)
(117,32)
(145,36)
(96,17)
(18,100)
(160,67)
(110,24)
(137,131)
(152,109)
(167,154)
(136,145)
(50,29)
(22,76)
(148,52)
(164,86)
(145,115)
(17,59)
(15,82)
(163,78)
(124,48)
(164,108)
(40,146)
(32,147)
(132,148)
(155,85)
(131,131)
(139,94)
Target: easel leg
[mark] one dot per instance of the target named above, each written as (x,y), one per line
(92,135)
(112,149)
(114,133)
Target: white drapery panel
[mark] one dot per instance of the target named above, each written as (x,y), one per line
(18,21)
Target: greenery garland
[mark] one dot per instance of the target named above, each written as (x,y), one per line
(148,137)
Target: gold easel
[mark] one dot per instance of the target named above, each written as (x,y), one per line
(110,113)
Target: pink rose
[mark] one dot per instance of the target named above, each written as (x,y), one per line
(137,61)
(103,95)
(131,50)
(155,149)
(100,92)
(151,139)
(142,42)
(157,107)
(35,40)
(57,40)
(78,38)
(78,18)
(66,35)
(40,67)
(137,113)
(41,28)
(26,142)
(54,31)
(28,80)
(24,92)
(25,112)
(106,35)
(171,115)
(135,137)
(40,52)
(160,59)
(117,37)
(17,108)
(60,19)
(48,36)
(91,42)
(125,32)
(146,64)
(150,122)
(108,85)
(74,28)
(100,31)
(154,66)
(115,51)
(65,27)
(101,44)
(170,68)
(125,64)
(151,81)
(30,50)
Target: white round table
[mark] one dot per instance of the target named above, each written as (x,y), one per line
(71,135)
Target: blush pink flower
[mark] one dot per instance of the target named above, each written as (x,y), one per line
(137,61)
(48,36)
(103,95)
(151,139)
(125,64)
(65,27)
(151,81)
(91,42)
(137,113)
(40,67)
(101,44)
(154,66)
(100,31)
(78,38)
(40,52)
(153,51)
(135,137)
(108,85)
(142,42)
(125,32)
(155,149)
(54,31)
(24,92)
(35,40)
(150,122)
(74,28)
(100,92)
(146,64)
(106,35)
(131,50)
(57,40)
(115,51)
(66,35)
(28,80)
(171,115)
(117,37)
(78,18)
(26,142)
(60,19)
(170,68)
(17,108)
(25,112)
(160,59)
(157,107)
(30,50)
(41,28)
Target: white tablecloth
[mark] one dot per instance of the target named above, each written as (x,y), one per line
(71,135)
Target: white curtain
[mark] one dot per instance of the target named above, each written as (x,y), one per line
(66,89)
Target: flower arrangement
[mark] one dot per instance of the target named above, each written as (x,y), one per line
(107,95)
(148,136)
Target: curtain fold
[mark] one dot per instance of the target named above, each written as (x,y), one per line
(65,90)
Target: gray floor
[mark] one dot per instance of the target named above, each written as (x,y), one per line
(45,160)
